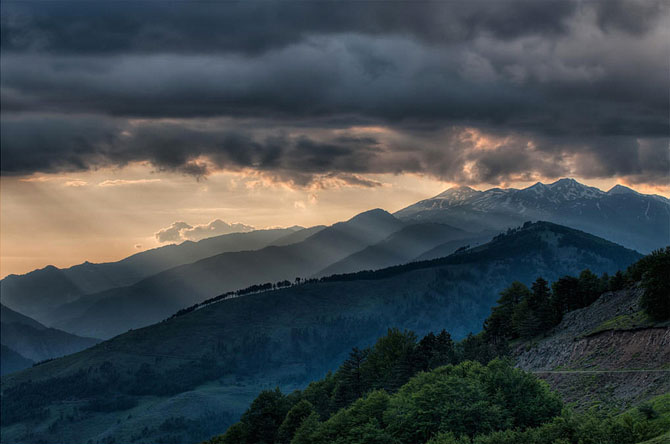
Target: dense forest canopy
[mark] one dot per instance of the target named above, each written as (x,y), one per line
(405,390)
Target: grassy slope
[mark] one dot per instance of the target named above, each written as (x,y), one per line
(661,405)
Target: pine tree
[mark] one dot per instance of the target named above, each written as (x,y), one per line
(445,350)
(542,306)
(389,362)
(525,320)
(294,418)
(308,428)
(265,415)
(618,281)
(589,288)
(500,324)
(656,283)
(566,294)
(351,385)
(424,352)
(604,284)
(433,351)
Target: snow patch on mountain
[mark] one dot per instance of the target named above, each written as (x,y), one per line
(636,220)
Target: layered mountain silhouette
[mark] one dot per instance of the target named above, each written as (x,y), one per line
(201,369)
(11,361)
(102,300)
(152,299)
(39,293)
(403,246)
(621,215)
(25,341)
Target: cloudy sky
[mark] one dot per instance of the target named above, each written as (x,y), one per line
(128,124)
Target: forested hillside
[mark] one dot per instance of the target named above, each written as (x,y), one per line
(204,367)
(402,390)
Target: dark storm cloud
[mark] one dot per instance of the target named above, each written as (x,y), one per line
(517,85)
(304,157)
(633,16)
(572,87)
(250,27)
(52,143)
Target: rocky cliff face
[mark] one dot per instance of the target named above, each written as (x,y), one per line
(607,352)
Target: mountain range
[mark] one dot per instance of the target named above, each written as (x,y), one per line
(102,300)
(202,368)
(39,293)
(621,215)
(25,341)
(405,245)
(150,300)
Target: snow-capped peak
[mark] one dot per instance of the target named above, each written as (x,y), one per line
(570,189)
(537,188)
(457,194)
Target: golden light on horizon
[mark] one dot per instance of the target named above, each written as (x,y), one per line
(103,215)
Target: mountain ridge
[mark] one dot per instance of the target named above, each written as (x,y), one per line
(402,246)
(635,220)
(116,310)
(33,341)
(39,292)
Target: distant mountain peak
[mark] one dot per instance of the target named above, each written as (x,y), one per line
(374,213)
(566,181)
(459,188)
(639,221)
(620,189)
(570,189)
(537,187)
(457,194)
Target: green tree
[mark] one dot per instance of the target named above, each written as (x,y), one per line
(500,323)
(236,434)
(589,288)
(294,418)
(434,351)
(541,304)
(458,399)
(566,295)
(450,438)
(525,320)
(444,350)
(389,362)
(347,425)
(604,284)
(618,281)
(351,384)
(477,348)
(264,416)
(320,395)
(529,400)
(306,432)
(656,284)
